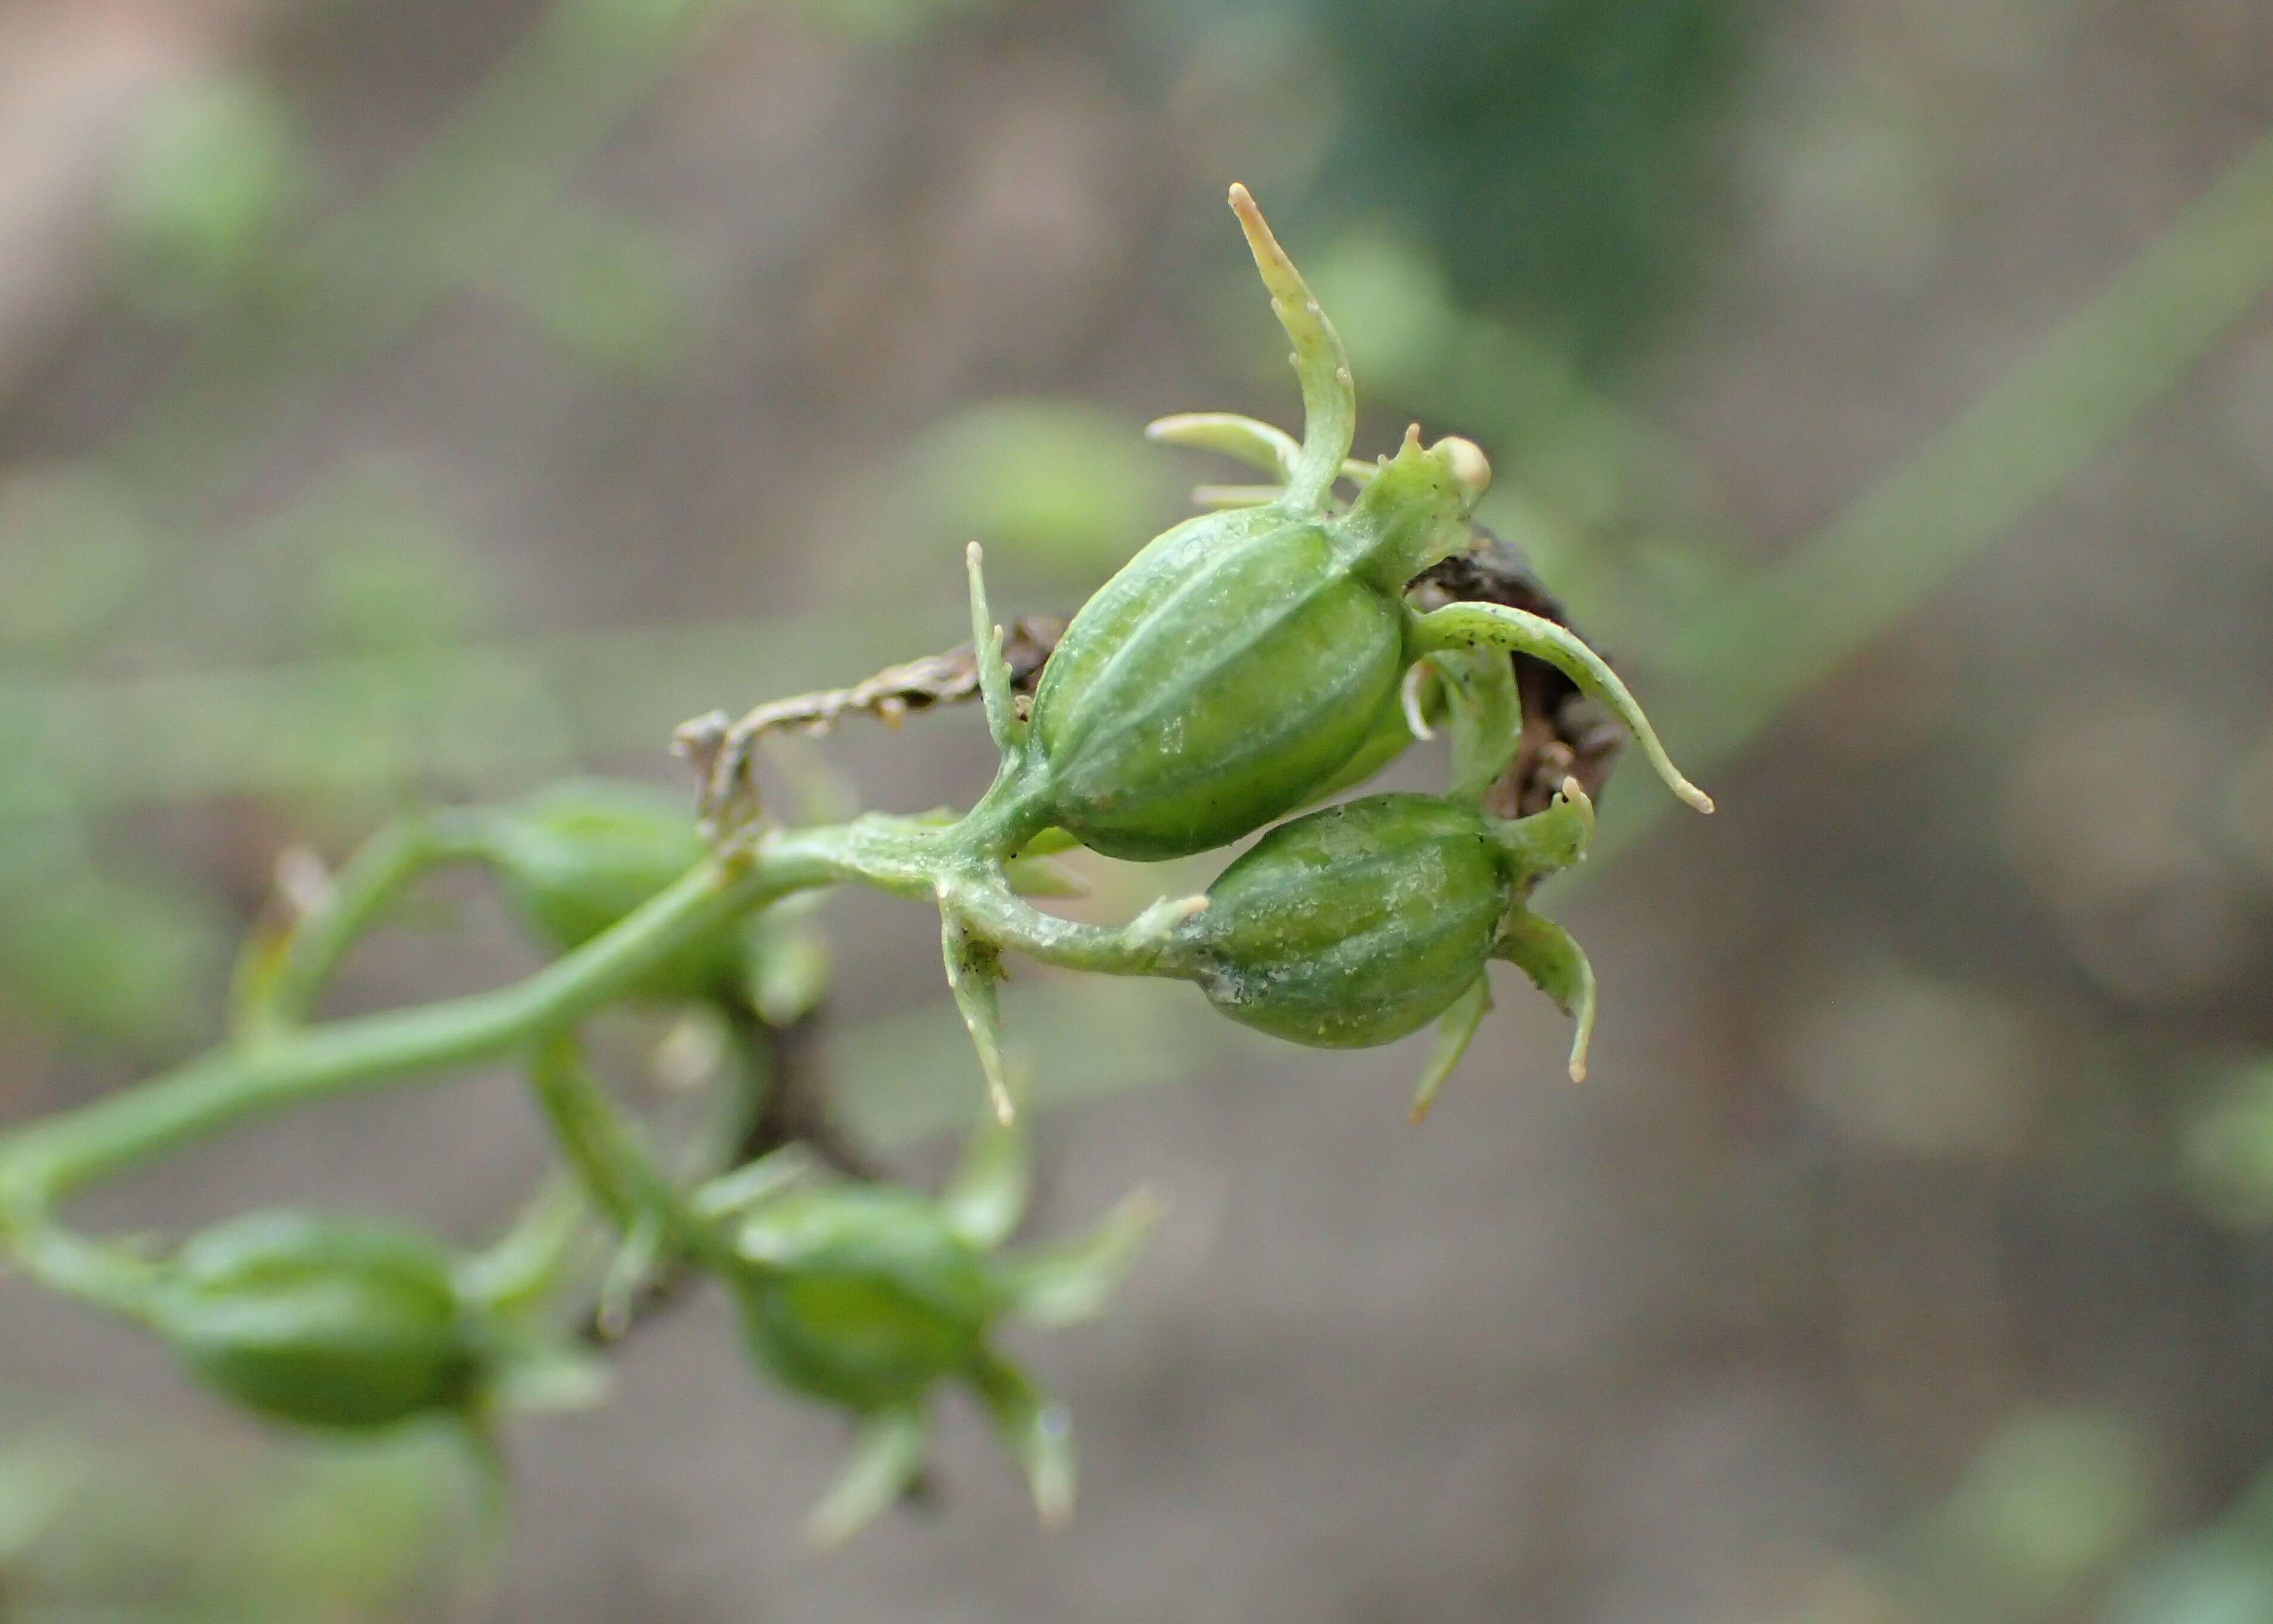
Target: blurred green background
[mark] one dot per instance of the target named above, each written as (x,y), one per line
(404,403)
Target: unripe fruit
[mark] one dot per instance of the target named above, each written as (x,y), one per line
(1355,925)
(1236,662)
(319,1321)
(1227,669)
(862,1295)
(1242,660)
(578,856)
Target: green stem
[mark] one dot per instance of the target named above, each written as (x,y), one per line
(984,905)
(607,1154)
(390,860)
(94,1272)
(44,1162)
(520,1269)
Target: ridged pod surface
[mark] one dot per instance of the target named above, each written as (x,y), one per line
(1355,925)
(323,1322)
(862,1296)
(1241,661)
(1236,662)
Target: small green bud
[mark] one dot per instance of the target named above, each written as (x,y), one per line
(1354,925)
(862,1295)
(868,1296)
(321,1322)
(576,857)
(1358,924)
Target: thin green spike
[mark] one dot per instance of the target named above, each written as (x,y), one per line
(1035,1429)
(987,1195)
(730,1194)
(520,1268)
(1245,440)
(987,645)
(1329,395)
(628,1272)
(535,1375)
(887,1453)
(971,973)
(1557,964)
(1453,1033)
(1496,626)
(1069,1282)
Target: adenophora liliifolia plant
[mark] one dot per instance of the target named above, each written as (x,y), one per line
(1259,658)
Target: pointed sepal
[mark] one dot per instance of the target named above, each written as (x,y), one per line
(1329,393)
(1245,440)
(732,1195)
(994,670)
(548,1375)
(988,1193)
(1037,1432)
(887,1456)
(973,968)
(1487,717)
(1454,1031)
(635,1263)
(1069,1282)
(1518,631)
(1557,964)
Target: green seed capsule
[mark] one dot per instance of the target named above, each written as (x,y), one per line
(1238,662)
(1230,667)
(1355,925)
(576,857)
(862,1295)
(323,1322)
(1242,659)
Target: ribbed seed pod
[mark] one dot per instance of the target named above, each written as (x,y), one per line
(321,1322)
(1208,687)
(1355,925)
(862,1295)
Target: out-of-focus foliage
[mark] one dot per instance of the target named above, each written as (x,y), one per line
(207,193)
(1056,488)
(1558,154)
(130,1527)
(2226,1146)
(1561,158)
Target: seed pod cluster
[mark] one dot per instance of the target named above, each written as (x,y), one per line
(1240,660)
